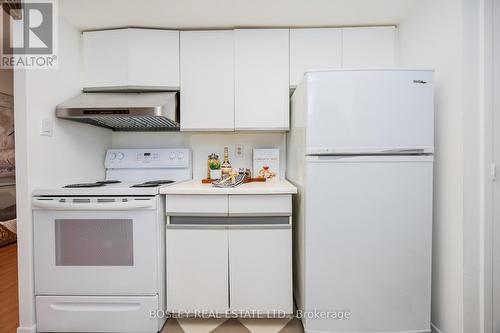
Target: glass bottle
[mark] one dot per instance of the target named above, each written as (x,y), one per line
(226,165)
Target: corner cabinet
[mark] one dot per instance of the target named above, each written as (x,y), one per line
(131,58)
(332,48)
(318,48)
(261,79)
(368,47)
(207,80)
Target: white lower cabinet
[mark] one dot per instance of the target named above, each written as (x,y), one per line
(197,266)
(229,263)
(260,270)
(96,314)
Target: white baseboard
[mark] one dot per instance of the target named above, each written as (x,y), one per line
(433,327)
(28,329)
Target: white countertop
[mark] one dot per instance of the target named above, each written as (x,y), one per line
(196,187)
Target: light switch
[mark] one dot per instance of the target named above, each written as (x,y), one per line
(46,127)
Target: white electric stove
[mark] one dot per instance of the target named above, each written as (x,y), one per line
(99,246)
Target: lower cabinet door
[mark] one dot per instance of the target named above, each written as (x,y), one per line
(197,269)
(260,270)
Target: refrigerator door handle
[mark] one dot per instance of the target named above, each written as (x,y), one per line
(345,151)
(403,151)
(370,158)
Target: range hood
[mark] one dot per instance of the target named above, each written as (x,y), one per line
(128,111)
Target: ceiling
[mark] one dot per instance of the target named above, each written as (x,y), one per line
(211,14)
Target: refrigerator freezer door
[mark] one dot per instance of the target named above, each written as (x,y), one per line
(370,111)
(368,231)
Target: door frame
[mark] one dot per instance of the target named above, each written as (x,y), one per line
(488,168)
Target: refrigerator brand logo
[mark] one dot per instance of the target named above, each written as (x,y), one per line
(420,81)
(28,34)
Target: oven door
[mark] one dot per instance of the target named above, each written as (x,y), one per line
(96,246)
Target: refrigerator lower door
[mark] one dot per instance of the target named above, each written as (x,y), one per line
(368,233)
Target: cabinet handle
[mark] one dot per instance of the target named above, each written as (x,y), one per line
(95,307)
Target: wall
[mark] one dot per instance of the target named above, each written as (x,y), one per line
(75,152)
(431,36)
(204,144)
(472,167)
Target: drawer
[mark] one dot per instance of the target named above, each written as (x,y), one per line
(96,314)
(260,205)
(195,205)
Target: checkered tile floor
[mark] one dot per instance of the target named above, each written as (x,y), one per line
(189,325)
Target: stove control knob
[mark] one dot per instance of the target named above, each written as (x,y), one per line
(172,156)
(180,155)
(112,156)
(120,156)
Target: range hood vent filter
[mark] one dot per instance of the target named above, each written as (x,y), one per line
(131,123)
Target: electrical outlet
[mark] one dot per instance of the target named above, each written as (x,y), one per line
(238,150)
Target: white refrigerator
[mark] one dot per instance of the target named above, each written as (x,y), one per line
(360,151)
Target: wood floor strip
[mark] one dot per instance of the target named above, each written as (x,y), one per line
(9,318)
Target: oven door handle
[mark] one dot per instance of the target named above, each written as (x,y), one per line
(57,205)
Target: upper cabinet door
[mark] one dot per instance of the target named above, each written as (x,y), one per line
(105,55)
(314,49)
(262,79)
(153,58)
(207,80)
(368,47)
(131,57)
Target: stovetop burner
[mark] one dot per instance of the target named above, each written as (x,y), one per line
(151,183)
(106,182)
(82,185)
(145,185)
(154,183)
(160,182)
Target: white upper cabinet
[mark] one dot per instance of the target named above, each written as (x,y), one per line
(368,47)
(314,49)
(207,80)
(262,79)
(105,58)
(131,58)
(153,58)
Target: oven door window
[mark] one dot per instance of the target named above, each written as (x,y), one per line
(94,242)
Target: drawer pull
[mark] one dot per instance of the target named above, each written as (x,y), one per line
(229,220)
(95,307)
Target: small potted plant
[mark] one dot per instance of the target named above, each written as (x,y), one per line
(215,170)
